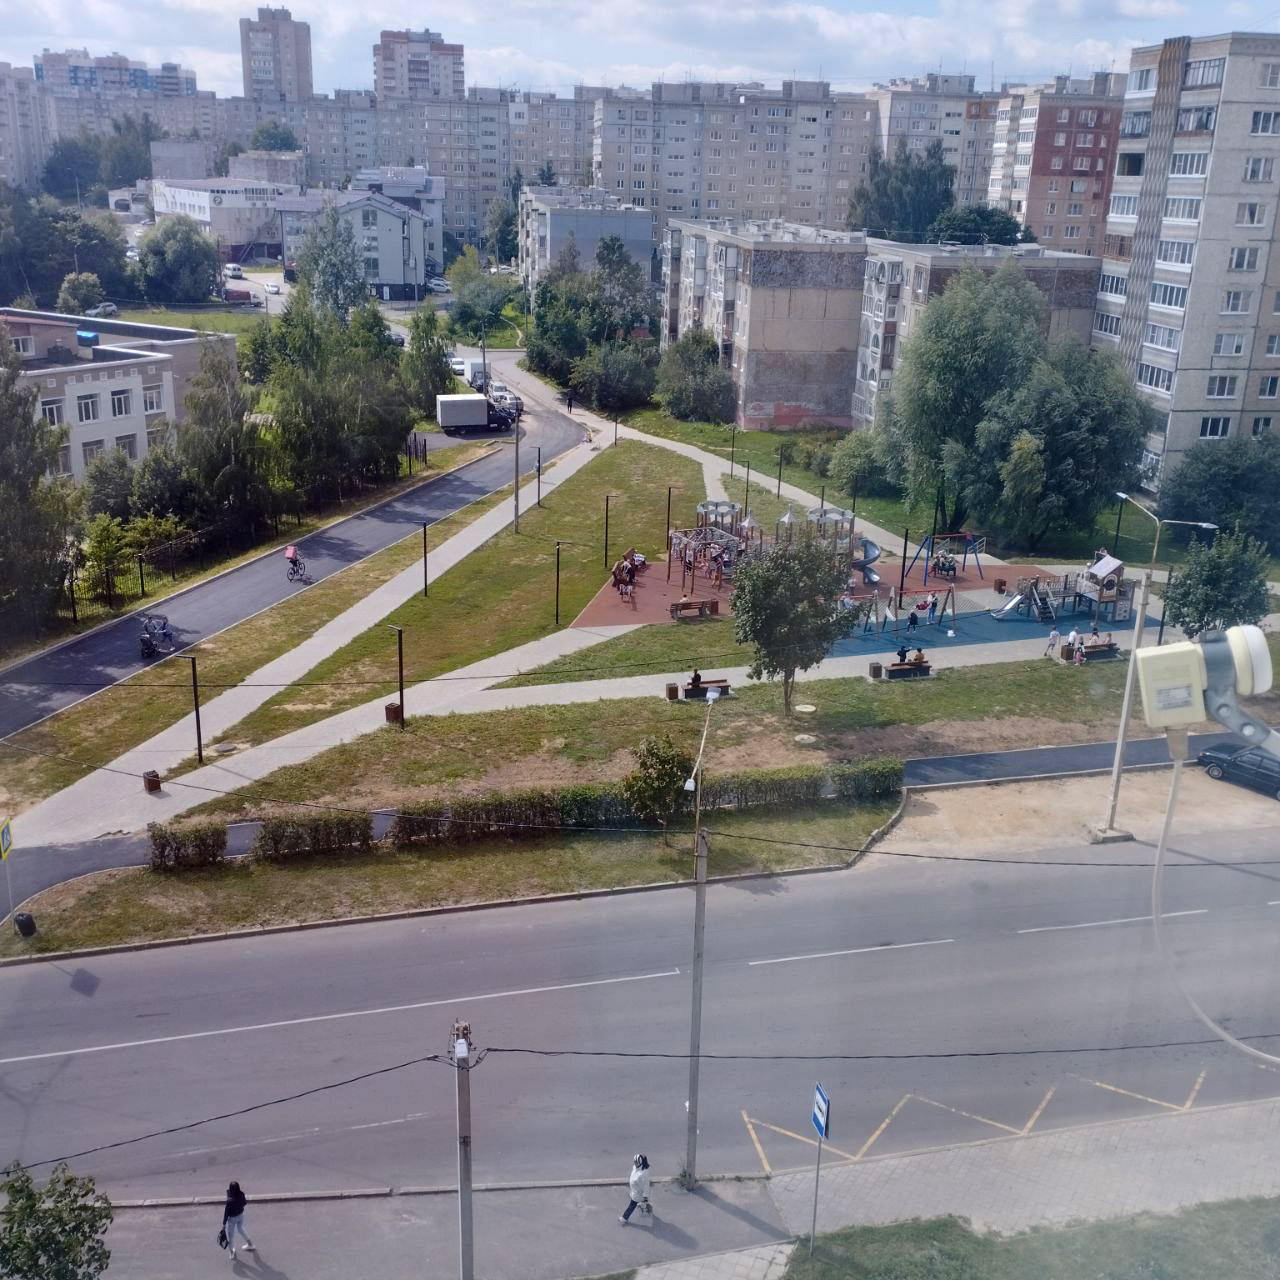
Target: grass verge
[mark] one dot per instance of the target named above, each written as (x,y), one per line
(502,595)
(241,320)
(127,714)
(137,905)
(1237,1238)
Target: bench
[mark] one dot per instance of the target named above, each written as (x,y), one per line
(694,609)
(1092,652)
(907,670)
(700,690)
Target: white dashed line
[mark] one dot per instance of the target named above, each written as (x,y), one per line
(855,951)
(1094,924)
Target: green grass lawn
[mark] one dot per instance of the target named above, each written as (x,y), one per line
(503,594)
(1239,1239)
(118,718)
(241,320)
(137,904)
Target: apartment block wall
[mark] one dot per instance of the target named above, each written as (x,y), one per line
(275,56)
(24,141)
(418,65)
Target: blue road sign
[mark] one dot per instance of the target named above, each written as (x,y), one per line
(6,839)
(821,1112)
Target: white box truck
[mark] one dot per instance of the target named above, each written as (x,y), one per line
(469,413)
(475,372)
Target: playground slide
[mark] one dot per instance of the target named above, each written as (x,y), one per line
(1008,610)
(870,554)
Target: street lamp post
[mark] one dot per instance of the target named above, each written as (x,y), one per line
(1139,625)
(400,666)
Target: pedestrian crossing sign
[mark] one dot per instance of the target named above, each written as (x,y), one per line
(6,839)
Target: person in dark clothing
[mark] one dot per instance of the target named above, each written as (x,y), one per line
(902,653)
(233,1218)
(695,680)
(569,402)
(913,621)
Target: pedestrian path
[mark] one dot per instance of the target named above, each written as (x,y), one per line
(761,1262)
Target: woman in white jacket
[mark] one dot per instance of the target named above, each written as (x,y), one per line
(639,1189)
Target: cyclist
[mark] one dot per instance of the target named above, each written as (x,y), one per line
(295,562)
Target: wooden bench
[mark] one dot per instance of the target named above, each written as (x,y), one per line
(694,609)
(907,670)
(1092,652)
(700,690)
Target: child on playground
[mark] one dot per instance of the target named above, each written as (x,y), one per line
(1051,649)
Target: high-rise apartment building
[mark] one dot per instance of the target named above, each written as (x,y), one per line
(1190,289)
(417,65)
(549,217)
(946,109)
(275,54)
(1054,155)
(75,69)
(23,144)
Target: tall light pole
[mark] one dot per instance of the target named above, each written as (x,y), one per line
(1117,765)
(694,784)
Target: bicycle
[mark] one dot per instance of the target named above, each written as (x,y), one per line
(297,570)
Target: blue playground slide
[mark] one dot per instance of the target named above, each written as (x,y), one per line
(870,554)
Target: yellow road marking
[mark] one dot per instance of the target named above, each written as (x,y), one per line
(968,1115)
(1129,1093)
(1039,1111)
(799,1137)
(1195,1089)
(883,1125)
(746,1119)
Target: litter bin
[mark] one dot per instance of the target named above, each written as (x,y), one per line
(392,710)
(25,923)
(1000,586)
(151,780)
(877,671)
(673,693)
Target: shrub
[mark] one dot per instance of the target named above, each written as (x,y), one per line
(868,779)
(302,835)
(759,788)
(176,848)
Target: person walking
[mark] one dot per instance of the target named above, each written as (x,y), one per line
(639,1186)
(913,621)
(1051,649)
(233,1219)
(569,401)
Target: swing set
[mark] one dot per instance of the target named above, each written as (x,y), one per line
(940,555)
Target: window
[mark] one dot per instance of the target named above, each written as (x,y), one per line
(1129,164)
(1059,139)
(24,345)
(155,438)
(1168,295)
(1104,322)
(1265,122)
(1050,208)
(1047,231)
(153,399)
(128,445)
(368,217)
(1243,259)
(1116,286)
(1221,386)
(1055,163)
(1250,214)
(1182,209)
(1157,379)
(1270,78)
(1261,425)
(1269,386)
(90,449)
(1214,428)
(63,466)
(1258,169)
(1123,207)
(1141,81)
(1204,71)
(1071,232)
(1178,253)
(1084,139)
(87,408)
(1135,124)
(51,411)
(1159,335)
(1273,344)
(1196,119)
(1188,164)
(1236,301)
(1075,210)
(1228,344)
(1078,186)
(120,403)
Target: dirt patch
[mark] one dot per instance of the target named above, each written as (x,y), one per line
(1021,818)
(950,737)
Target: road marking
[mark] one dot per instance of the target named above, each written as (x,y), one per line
(1195,1089)
(1094,924)
(755,1141)
(855,951)
(1039,1111)
(800,1137)
(882,1126)
(1141,1097)
(333,1017)
(968,1115)
(319,1131)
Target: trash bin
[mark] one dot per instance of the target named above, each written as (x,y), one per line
(392,710)
(673,693)
(151,780)
(1000,586)
(877,671)
(25,923)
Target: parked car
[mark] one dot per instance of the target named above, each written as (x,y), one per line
(439,286)
(497,389)
(103,311)
(396,338)
(271,288)
(457,366)
(1247,766)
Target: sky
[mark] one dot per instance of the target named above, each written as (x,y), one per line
(551,45)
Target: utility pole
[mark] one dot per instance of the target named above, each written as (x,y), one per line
(195,701)
(746,492)
(515,486)
(902,572)
(606,530)
(779,472)
(539,467)
(557,584)
(460,1051)
(424,558)
(400,666)
(670,489)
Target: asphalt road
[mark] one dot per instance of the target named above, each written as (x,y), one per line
(892,958)
(53,679)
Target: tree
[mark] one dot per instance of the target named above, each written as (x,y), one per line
(613,377)
(786,604)
(547,174)
(656,785)
(54,1231)
(105,547)
(79,291)
(1228,482)
(126,150)
(1222,584)
(258,352)
(73,166)
(368,336)
(621,297)
(979,224)
(161,484)
(222,158)
(857,464)
(177,262)
(691,382)
(271,135)
(901,197)
(108,483)
(981,337)
(331,265)
(425,364)
(33,548)
(515,185)
(500,229)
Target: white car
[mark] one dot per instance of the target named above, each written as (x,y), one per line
(271,288)
(458,366)
(497,389)
(439,286)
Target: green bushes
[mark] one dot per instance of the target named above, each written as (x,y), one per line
(303,835)
(179,848)
(868,779)
(762,788)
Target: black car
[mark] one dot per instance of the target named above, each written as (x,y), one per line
(1248,766)
(396,338)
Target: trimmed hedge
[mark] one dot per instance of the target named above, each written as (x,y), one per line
(196,845)
(868,779)
(303,835)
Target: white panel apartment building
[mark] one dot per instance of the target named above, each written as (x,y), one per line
(23,138)
(418,65)
(1190,287)
(239,213)
(550,216)
(275,55)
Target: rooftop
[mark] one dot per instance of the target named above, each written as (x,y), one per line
(578,198)
(890,247)
(773,231)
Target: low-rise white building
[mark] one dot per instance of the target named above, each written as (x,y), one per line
(239,213)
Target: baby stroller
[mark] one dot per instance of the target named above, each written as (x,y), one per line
(156,636)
